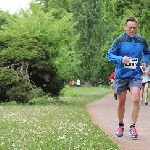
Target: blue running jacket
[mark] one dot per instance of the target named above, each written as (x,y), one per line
(135,47)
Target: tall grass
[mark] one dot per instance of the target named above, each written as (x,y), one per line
(49,124)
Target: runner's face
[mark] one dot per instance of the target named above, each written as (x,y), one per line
(131,28)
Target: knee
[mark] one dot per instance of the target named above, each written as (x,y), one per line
(121,103)
(136,100)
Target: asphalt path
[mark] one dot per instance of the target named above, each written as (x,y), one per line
(104,114)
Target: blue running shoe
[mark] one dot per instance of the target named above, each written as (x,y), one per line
(133,133)
(119,131)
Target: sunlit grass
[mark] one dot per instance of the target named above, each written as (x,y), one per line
(62,124)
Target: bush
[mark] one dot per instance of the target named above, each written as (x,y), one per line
(36,93)
(19,92)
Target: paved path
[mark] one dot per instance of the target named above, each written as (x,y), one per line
(103,113)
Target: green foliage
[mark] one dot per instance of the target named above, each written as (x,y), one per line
(19,92)
(12,87)
(7,78)
(56,6)
(4,17)
(45,43)
(64,39)
(89,17)
(55,36)
(24,48)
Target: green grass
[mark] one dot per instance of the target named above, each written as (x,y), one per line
(61,124)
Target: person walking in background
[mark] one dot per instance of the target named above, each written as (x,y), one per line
(100,83)
(73,83)
(145,79)
(78,83)
(111,79)
(70,83)
(126,52)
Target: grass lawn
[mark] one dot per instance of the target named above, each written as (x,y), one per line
(48,124)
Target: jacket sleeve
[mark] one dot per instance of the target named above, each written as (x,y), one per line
(112,52)
(146,53)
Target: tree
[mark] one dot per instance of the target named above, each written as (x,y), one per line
(37,47)
(88,15)
(4,16)
(122,9)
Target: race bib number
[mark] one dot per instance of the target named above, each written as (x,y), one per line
(132,63)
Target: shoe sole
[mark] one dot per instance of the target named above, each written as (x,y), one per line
(119,136)
(133,137)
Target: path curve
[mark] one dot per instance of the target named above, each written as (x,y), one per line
(103,113)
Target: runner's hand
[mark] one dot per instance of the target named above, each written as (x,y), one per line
(125,59)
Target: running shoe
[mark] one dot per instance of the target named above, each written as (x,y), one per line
(122,128)
(119,131)
(141,101)
(133,133)
(146,103)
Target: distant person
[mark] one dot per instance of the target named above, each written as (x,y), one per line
(73,83)
(100,83)
(111,82)
(145,81)
(127,52)
(111,79)
(78,83)
(70,83)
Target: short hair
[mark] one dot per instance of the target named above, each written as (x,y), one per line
(130,19)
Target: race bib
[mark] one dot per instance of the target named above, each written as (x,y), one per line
(132,63)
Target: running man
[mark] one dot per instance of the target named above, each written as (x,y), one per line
(126,52)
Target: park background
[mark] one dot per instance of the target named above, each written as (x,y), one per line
(51,42)
(45,46)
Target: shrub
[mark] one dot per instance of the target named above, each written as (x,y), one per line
(19,92)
